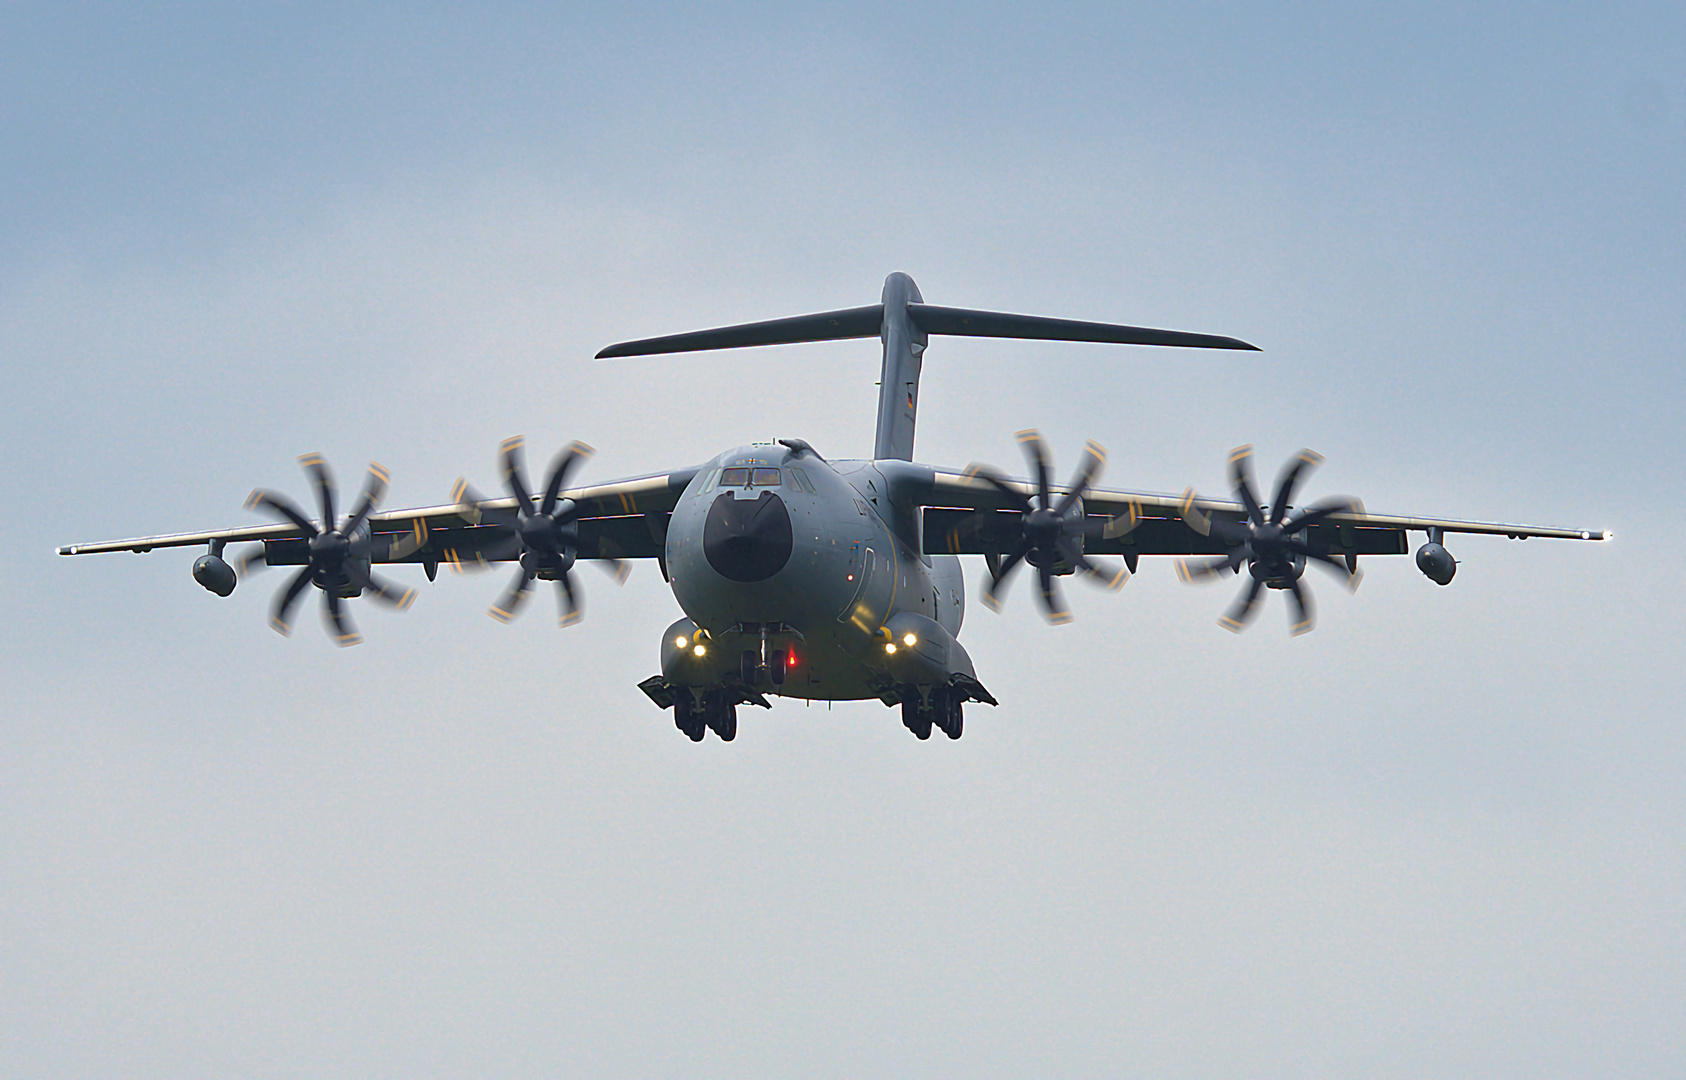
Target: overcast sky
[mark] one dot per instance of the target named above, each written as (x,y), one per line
(1444,835)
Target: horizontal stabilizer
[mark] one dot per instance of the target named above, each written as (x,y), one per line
(865,322)
(858,322)
(959,322)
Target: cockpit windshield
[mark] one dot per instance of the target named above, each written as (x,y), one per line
(739,476)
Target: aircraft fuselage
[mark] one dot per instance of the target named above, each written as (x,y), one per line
(778,553)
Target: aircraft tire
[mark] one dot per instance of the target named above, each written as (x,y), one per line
(956,719)
(916,720)
(749,667)
(685,716)
(722,717)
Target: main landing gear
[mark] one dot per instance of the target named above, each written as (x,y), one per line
(941,709)
(717,713)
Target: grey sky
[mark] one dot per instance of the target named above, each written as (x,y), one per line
(1443,835)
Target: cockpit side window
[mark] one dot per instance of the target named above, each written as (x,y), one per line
(800,479)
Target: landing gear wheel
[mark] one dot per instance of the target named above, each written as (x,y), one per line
(722,718)
(685,716)
(956,719)
(915,719)
(749,667)
(778,661)
(945,710)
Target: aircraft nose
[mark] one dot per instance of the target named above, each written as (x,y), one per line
(747,540)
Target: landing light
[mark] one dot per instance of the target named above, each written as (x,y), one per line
(890,648)
(681,641)
(908,640)
(700,649)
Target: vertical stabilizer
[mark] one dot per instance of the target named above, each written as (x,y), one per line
(898,388)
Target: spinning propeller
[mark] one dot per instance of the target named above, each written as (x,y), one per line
(339,556)
(1049,533)
(1274,548)
(545,540)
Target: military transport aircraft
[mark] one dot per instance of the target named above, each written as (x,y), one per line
(810,578)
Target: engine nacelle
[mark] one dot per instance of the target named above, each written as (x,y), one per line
(216,575)
(1436,563)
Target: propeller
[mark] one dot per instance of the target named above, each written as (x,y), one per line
(339,553)
(1274,547)
(545,539)
(1050,531)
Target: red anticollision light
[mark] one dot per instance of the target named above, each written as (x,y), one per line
(790,658)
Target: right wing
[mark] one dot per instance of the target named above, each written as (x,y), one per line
(622,519)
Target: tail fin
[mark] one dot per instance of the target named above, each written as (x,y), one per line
(903,322)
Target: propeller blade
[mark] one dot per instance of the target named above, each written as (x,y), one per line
(283,506)
(1052,603)
(317,469)
(1030,441)
(1235,619)
(1288,479)
(1113,580)
(506,550)
(991,594)
(1318,511)
(339,620)
(989,476)
(1191,571)
(1302,608)
(569,510)
(571,612)
(392,595)
(281,615)
(1194,517)
(468,502)
(1230,533)
(1123,524)
(408,543)
(619,569)
(576,453)
(1241,476)
(1088,470)
(374,490)
(512,474)
(251,562)
(1014,557)
(1349,574)
(509,604)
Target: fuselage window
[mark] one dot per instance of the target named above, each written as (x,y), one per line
(766,478)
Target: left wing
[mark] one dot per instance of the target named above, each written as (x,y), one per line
(964,514)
